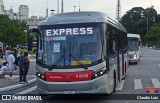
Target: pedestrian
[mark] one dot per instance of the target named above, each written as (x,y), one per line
(7,52)
(4,70)
(1,52)
(26,67)
(15,55)
(11,62)
(15,52)
(21,67)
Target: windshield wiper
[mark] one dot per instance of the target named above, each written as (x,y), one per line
(78,61)
(130,48)
(71,56)
(51,67)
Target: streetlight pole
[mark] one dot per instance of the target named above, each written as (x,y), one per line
(62,7)
(147,22)
(57,6)
(52,11)
(79,6)
(74,8)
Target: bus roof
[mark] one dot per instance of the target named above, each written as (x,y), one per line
(81,17)
(133,35)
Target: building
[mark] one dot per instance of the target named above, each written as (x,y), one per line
(34,21)
(23,12)
(1,7)
(11,14)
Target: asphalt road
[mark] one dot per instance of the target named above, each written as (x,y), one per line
(138,78)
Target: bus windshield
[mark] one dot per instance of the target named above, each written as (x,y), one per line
(66,46)
(133,44)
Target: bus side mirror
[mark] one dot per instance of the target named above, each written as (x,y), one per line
(31,37)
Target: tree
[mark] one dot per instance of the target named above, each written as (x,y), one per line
(158,18)
(12,31)
(153,37)
(135,20)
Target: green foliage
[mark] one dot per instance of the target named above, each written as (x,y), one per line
(135,20)
(153,37)
(12,31)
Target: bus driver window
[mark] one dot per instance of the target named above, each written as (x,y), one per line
(112,45)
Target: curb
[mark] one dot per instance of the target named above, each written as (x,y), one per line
(16,86)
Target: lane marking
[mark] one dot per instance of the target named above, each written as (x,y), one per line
(138,84)
(28,90)
(156,83)
(120,86)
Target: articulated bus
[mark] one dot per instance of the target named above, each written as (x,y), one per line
(134,45)
(80,53)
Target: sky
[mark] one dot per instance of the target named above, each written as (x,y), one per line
(38,7)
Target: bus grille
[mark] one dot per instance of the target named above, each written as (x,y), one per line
(131,55)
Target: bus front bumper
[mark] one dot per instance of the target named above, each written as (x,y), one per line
(133,60)
(96,86)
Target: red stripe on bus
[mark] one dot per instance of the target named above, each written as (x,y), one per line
(68,76)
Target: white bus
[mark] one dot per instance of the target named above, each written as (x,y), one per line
(134,47)
(80,53)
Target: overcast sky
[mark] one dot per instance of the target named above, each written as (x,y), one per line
(38,7)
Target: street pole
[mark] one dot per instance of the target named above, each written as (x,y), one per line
(79,6)
(57,6)
(74,8)
(52,12)
(62,7)
(147,22)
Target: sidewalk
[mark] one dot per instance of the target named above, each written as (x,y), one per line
(7,84)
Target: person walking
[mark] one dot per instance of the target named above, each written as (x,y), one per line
(11,62)
(21,67)
(7,53)
(1,53)
(26,67)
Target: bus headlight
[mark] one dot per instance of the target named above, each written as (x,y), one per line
(99,73)
(40,75)
(135,56)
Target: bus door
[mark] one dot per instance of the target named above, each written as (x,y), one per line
(112,52)
(118,56)
(122,54)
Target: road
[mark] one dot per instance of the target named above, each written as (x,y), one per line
(138,78)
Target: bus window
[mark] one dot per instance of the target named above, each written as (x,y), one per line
(112,45)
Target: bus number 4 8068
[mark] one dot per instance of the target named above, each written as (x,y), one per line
(82,76)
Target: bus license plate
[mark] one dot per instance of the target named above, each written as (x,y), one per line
(69,92)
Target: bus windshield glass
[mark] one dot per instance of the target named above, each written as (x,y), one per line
(71,45)
(133,44)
